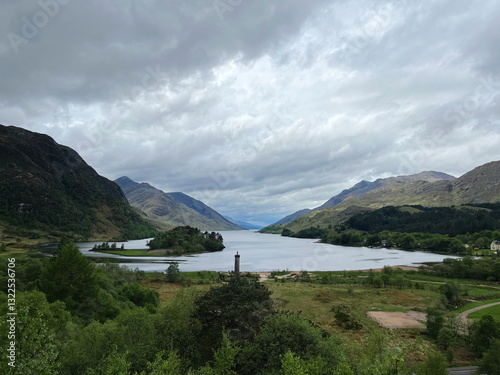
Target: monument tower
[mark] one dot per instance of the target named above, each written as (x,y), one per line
(237,264)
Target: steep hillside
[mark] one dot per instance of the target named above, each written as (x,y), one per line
(293,216)
(48,189)
(243,224)
(362,188)
(172,209)
(481,185)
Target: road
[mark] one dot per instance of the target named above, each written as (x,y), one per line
(471,370)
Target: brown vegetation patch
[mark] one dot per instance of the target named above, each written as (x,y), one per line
(396,319)
(325,295)
(165,290)
(403,298)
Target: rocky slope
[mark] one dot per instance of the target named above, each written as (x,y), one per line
(173,209)
(364,187)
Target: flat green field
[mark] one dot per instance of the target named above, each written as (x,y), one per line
(494,311)
(475,304)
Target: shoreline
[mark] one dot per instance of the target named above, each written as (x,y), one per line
(265,275)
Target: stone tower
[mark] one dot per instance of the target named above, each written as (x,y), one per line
(237,264)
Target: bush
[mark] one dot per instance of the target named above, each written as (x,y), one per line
(490,364)
(344,315)
(281,333)
(173,272)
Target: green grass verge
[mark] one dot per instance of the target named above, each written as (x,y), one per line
(475,304)
(494,311)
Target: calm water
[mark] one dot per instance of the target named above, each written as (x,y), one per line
(269,252)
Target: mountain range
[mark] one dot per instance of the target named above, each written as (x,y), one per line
(481,185)
(47,191)
(169,210)
(364,187)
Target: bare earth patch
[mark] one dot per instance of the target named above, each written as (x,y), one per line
(396,319)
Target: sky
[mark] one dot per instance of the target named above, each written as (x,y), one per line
(258,108)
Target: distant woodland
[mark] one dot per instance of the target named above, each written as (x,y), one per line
(454,230)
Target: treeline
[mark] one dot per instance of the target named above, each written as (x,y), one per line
(186,239)
(452,230)
(406,241)
(487,268)
(450,221)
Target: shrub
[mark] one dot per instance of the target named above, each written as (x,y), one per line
(344,315)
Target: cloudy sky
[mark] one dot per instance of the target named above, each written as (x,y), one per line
(257,107)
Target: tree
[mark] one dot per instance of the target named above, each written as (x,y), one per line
(176,329)
(435,364)
(114,364)
(373,240)
(35,341)
(239,307)
(446,337)
(224,359)
(435,321)
(172,365)
(451,293)
(483,332)
(173,272)
(283,332)
(294,365)
(490,364)
(70,277)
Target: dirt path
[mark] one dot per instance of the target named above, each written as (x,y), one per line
(464,316)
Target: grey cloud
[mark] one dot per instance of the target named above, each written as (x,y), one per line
(264,109)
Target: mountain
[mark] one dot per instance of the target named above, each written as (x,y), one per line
(293,216)
(172,209)
(364,187)
(481,185)
(243,224)
(47,191)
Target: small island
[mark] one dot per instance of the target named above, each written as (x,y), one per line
(181,240)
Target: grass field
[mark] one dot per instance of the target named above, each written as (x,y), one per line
(494,311)
(475,304)
(316,302)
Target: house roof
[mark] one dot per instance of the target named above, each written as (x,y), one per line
(495,242)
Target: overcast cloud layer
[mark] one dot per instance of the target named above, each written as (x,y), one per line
(258,108)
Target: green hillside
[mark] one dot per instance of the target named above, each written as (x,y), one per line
(48,191)
(481,185)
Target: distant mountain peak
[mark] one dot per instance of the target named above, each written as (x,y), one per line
(172,209)
(364,186)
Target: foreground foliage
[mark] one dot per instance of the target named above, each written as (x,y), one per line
(78,318)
